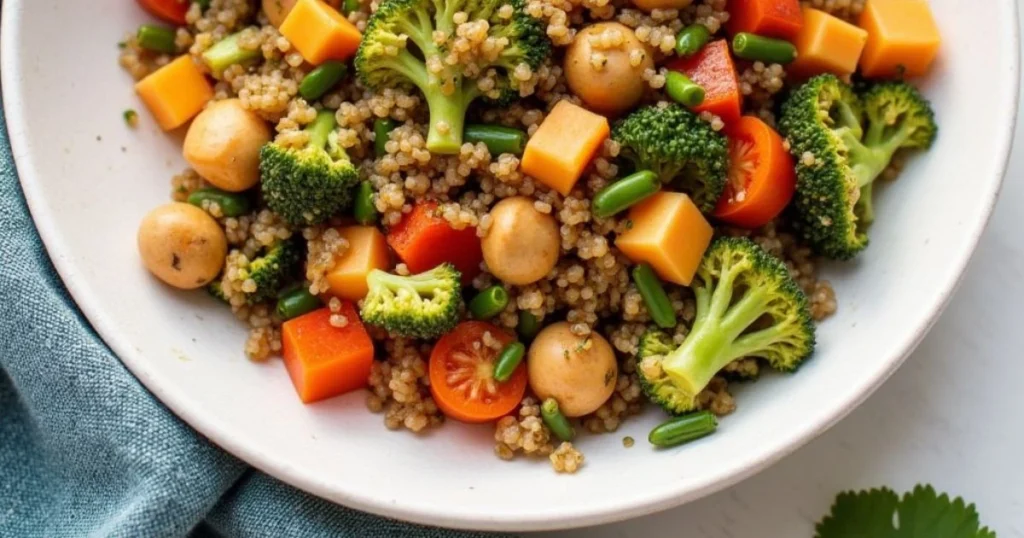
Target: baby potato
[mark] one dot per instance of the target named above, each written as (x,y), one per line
(579,372)
(522,244)
(599,67)
(182,245)
(223,145)
(278,10)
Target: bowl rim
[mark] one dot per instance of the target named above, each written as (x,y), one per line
(639,505)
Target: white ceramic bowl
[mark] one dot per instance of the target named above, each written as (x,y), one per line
(89,180)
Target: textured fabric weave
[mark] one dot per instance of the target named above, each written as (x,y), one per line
(85,450)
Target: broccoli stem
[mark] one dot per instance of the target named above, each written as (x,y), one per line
(715,339)
(447,119)
(320,130)
(228,52)
(425,283)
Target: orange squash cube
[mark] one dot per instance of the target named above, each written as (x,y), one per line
(903,38)
(175,93)
(670,233)
(319,32)
(827,44)
(563,145)
(367,250)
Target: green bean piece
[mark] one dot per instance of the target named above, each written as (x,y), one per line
(157,38)
(297,303)
(228,52)
(363,208)
(381,134)
(232,204)
(320,80)
(350,5)
(203,4)
(682,90)
(556,421)
(653,293)
(489,302)
(509,359)
(625,193)
(765,49)
(131,117)
(682,429)
(528,325)
(691,39)
(497,138)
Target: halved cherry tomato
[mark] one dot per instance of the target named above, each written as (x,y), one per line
(168,10)
(762,176)
(462,375)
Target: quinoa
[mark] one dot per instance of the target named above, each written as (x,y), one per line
(589,287)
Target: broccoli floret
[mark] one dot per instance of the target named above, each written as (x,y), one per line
(216,290)
(748,305)
(274,268)
(680,147)
(426,305)
(308,185)
(852,138)
(410,43)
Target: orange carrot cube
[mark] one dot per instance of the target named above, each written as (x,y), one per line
(324,360)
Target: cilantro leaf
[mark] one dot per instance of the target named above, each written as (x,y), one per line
(880,513)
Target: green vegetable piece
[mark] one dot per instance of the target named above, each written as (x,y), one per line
(228,52)
(381,134)
(657,301)
(852,136)
(683,90)
(625,193)
(421,306)
(880,513)
(216,290)
(364,209)
(508,360)
(691,39)
(763,49)
(409,27)
(131,117)
(682,149)
(274,267)
(747,305)
(232,204)
(684,429)
(320,80)
(203,4)
(556,421)
(528,325)
(309,185)
(350,5)
(489,302)
(157,38)
(297,302)
(497,138)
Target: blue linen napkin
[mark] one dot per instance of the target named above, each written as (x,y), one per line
(85,450)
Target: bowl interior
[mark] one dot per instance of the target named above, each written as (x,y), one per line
(90,179)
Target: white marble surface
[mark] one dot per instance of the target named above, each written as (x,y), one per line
(952,416)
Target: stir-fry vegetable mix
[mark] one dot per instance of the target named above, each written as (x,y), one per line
(672,132)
